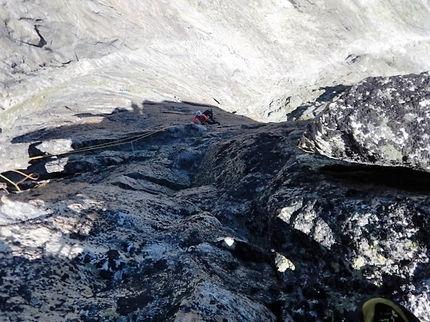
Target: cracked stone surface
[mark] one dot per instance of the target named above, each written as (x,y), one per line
(379,121)
(247,58)
(226,222)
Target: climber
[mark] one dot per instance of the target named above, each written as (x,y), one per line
(200,118)
(210,115)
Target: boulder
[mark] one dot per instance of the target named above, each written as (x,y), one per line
(379,121)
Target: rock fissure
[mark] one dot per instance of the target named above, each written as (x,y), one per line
(42,41)
(371,177)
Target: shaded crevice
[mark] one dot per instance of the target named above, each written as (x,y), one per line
(276,308)
(160,181)
(42,42)
(127,187)
(371,176)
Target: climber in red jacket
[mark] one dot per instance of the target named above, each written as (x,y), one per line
(200,118)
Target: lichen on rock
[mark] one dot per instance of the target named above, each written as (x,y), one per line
(380,121)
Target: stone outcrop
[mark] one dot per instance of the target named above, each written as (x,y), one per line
(138,238)
(382,121)
(186,222)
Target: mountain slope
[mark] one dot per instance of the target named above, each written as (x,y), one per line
(245,55)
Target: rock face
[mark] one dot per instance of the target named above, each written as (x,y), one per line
(182,222)
(379,121)
(137,237)
(115,207)
(264,60)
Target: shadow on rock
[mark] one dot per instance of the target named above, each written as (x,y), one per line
(98,141)
(129,229)
(372,177)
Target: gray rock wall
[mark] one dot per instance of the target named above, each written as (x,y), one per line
(127,212)
(227,222)
(379,121)
(263,60)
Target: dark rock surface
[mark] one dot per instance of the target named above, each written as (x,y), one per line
(381,121)
(115,207)
(183,222)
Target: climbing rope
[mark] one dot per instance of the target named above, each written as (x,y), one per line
(35,176)
(31,176)
(99,146)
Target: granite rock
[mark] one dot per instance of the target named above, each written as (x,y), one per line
(115,207)
(381,121)
(250,59)
(192,223)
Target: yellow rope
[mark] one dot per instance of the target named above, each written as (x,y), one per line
(11,182)
(99,146)
(33,176)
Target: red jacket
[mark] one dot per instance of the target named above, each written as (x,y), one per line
(200,119)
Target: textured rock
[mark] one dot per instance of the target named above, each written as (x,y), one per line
(379,121)
(364,238)
(132,240)
(264,67)
(227,222)
(128,212)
